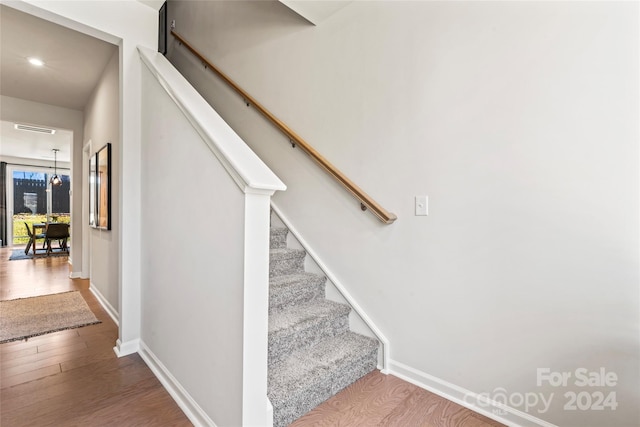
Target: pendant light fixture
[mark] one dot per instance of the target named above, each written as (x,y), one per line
(55,179)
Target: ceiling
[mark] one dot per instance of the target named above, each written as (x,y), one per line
(315,11)
(74,63)
(154,4)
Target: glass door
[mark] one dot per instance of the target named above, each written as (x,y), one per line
(37,201)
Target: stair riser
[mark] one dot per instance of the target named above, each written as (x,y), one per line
(283,344)
(292,265)
(302,402)
(317,392)
(278,239)
(349,374)
(295,294)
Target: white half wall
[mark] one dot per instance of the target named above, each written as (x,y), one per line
(191,259)
(519,120)
(205,254)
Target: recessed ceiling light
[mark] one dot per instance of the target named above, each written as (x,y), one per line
(37,62)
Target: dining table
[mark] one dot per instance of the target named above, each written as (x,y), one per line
(40,226)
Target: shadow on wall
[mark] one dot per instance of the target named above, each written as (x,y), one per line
(266,22)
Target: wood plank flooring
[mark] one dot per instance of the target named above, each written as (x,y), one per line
(73,377)
(385,400)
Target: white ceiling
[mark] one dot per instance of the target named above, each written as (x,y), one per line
(154,4)
(315,11)
(74,63)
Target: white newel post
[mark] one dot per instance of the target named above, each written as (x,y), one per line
(256,308)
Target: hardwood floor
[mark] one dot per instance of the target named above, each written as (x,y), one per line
(385,400)
(73,377)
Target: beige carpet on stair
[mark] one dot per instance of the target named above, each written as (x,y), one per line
(29,317)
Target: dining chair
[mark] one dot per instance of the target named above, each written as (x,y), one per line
(32,239)
(59,232)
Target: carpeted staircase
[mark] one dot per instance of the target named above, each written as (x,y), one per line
(312,353)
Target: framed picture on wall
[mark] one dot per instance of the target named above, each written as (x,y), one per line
(103,187)
(92,191)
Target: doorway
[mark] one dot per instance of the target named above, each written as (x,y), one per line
(32,199)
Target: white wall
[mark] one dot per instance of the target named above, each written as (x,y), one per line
(65,166)
(20,110)
(102,126)
(129,24)
(519,120)
(192,259)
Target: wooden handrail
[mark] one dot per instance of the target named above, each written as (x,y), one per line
(366,202)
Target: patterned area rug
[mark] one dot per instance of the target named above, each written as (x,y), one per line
(29,317)
(18,254)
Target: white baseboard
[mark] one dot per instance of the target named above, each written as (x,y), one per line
(189,406)
(269,414)
(126,348)
(75,274)
(489,408)
(111,311)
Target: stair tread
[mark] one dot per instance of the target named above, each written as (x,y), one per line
(288,279)
(300,316)
(286,261)
(278,237)
(286,252)
(290,289)
(307,368)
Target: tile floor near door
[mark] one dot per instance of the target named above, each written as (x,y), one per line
(73,377)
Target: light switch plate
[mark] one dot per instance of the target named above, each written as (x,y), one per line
(422,205)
